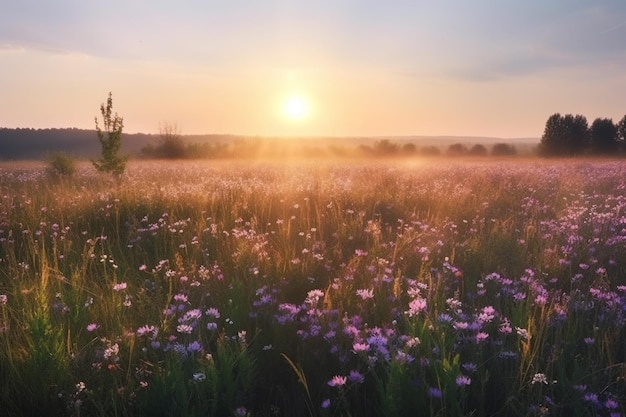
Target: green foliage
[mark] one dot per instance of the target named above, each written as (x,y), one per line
(621,131)
(604,136)
(565,135)
(463,237)
(170,146)
(61,165)
(110,140)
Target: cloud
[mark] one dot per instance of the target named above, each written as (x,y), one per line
(481,40)
(493,43)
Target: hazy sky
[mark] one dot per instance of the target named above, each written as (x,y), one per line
(363,67)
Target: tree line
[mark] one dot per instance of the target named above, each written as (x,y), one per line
(571,135)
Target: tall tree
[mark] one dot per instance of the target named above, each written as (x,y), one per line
(554,136)
(604,136)
(565,135)
(621,131)
(578,134)
(111,141)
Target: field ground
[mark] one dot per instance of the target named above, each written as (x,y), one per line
(313,288)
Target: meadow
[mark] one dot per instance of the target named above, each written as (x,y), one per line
(407,287)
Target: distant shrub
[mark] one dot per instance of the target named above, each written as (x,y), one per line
(503,149)
(385,147)
(456,149)
(430,151)
(477,150)
(409,148)
(61,165)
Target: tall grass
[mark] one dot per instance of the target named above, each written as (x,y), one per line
(474,288)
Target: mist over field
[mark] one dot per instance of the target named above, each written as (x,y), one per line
(16,144)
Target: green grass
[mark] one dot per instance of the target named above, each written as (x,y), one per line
(252,289)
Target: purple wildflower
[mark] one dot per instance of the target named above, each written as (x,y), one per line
(194,346)
(356,377)
(463,380)
(434,392)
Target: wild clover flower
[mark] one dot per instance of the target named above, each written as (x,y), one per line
(360,347)
(119,286)
(146,329)
(460,325)
(481,337)
(365,294)
(541,299)
(505,326)
(337,381)
(416,306)
(413,341)
(191,315)
(112,352)
(128,301)
(313,297)
(184,328)
(523,333)
(539,378)
(487,315)
(92,326)
(181,298)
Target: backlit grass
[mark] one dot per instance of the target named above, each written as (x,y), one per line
(315,289)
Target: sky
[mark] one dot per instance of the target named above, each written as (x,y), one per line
(354,68)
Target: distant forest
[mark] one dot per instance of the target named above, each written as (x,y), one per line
(26,143)
(37,144)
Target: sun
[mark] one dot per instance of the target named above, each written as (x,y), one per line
(296,108)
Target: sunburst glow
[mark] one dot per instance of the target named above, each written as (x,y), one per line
(296,108)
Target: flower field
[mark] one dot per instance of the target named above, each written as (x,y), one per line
(468,288)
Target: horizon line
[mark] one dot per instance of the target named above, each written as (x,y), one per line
(304,136)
